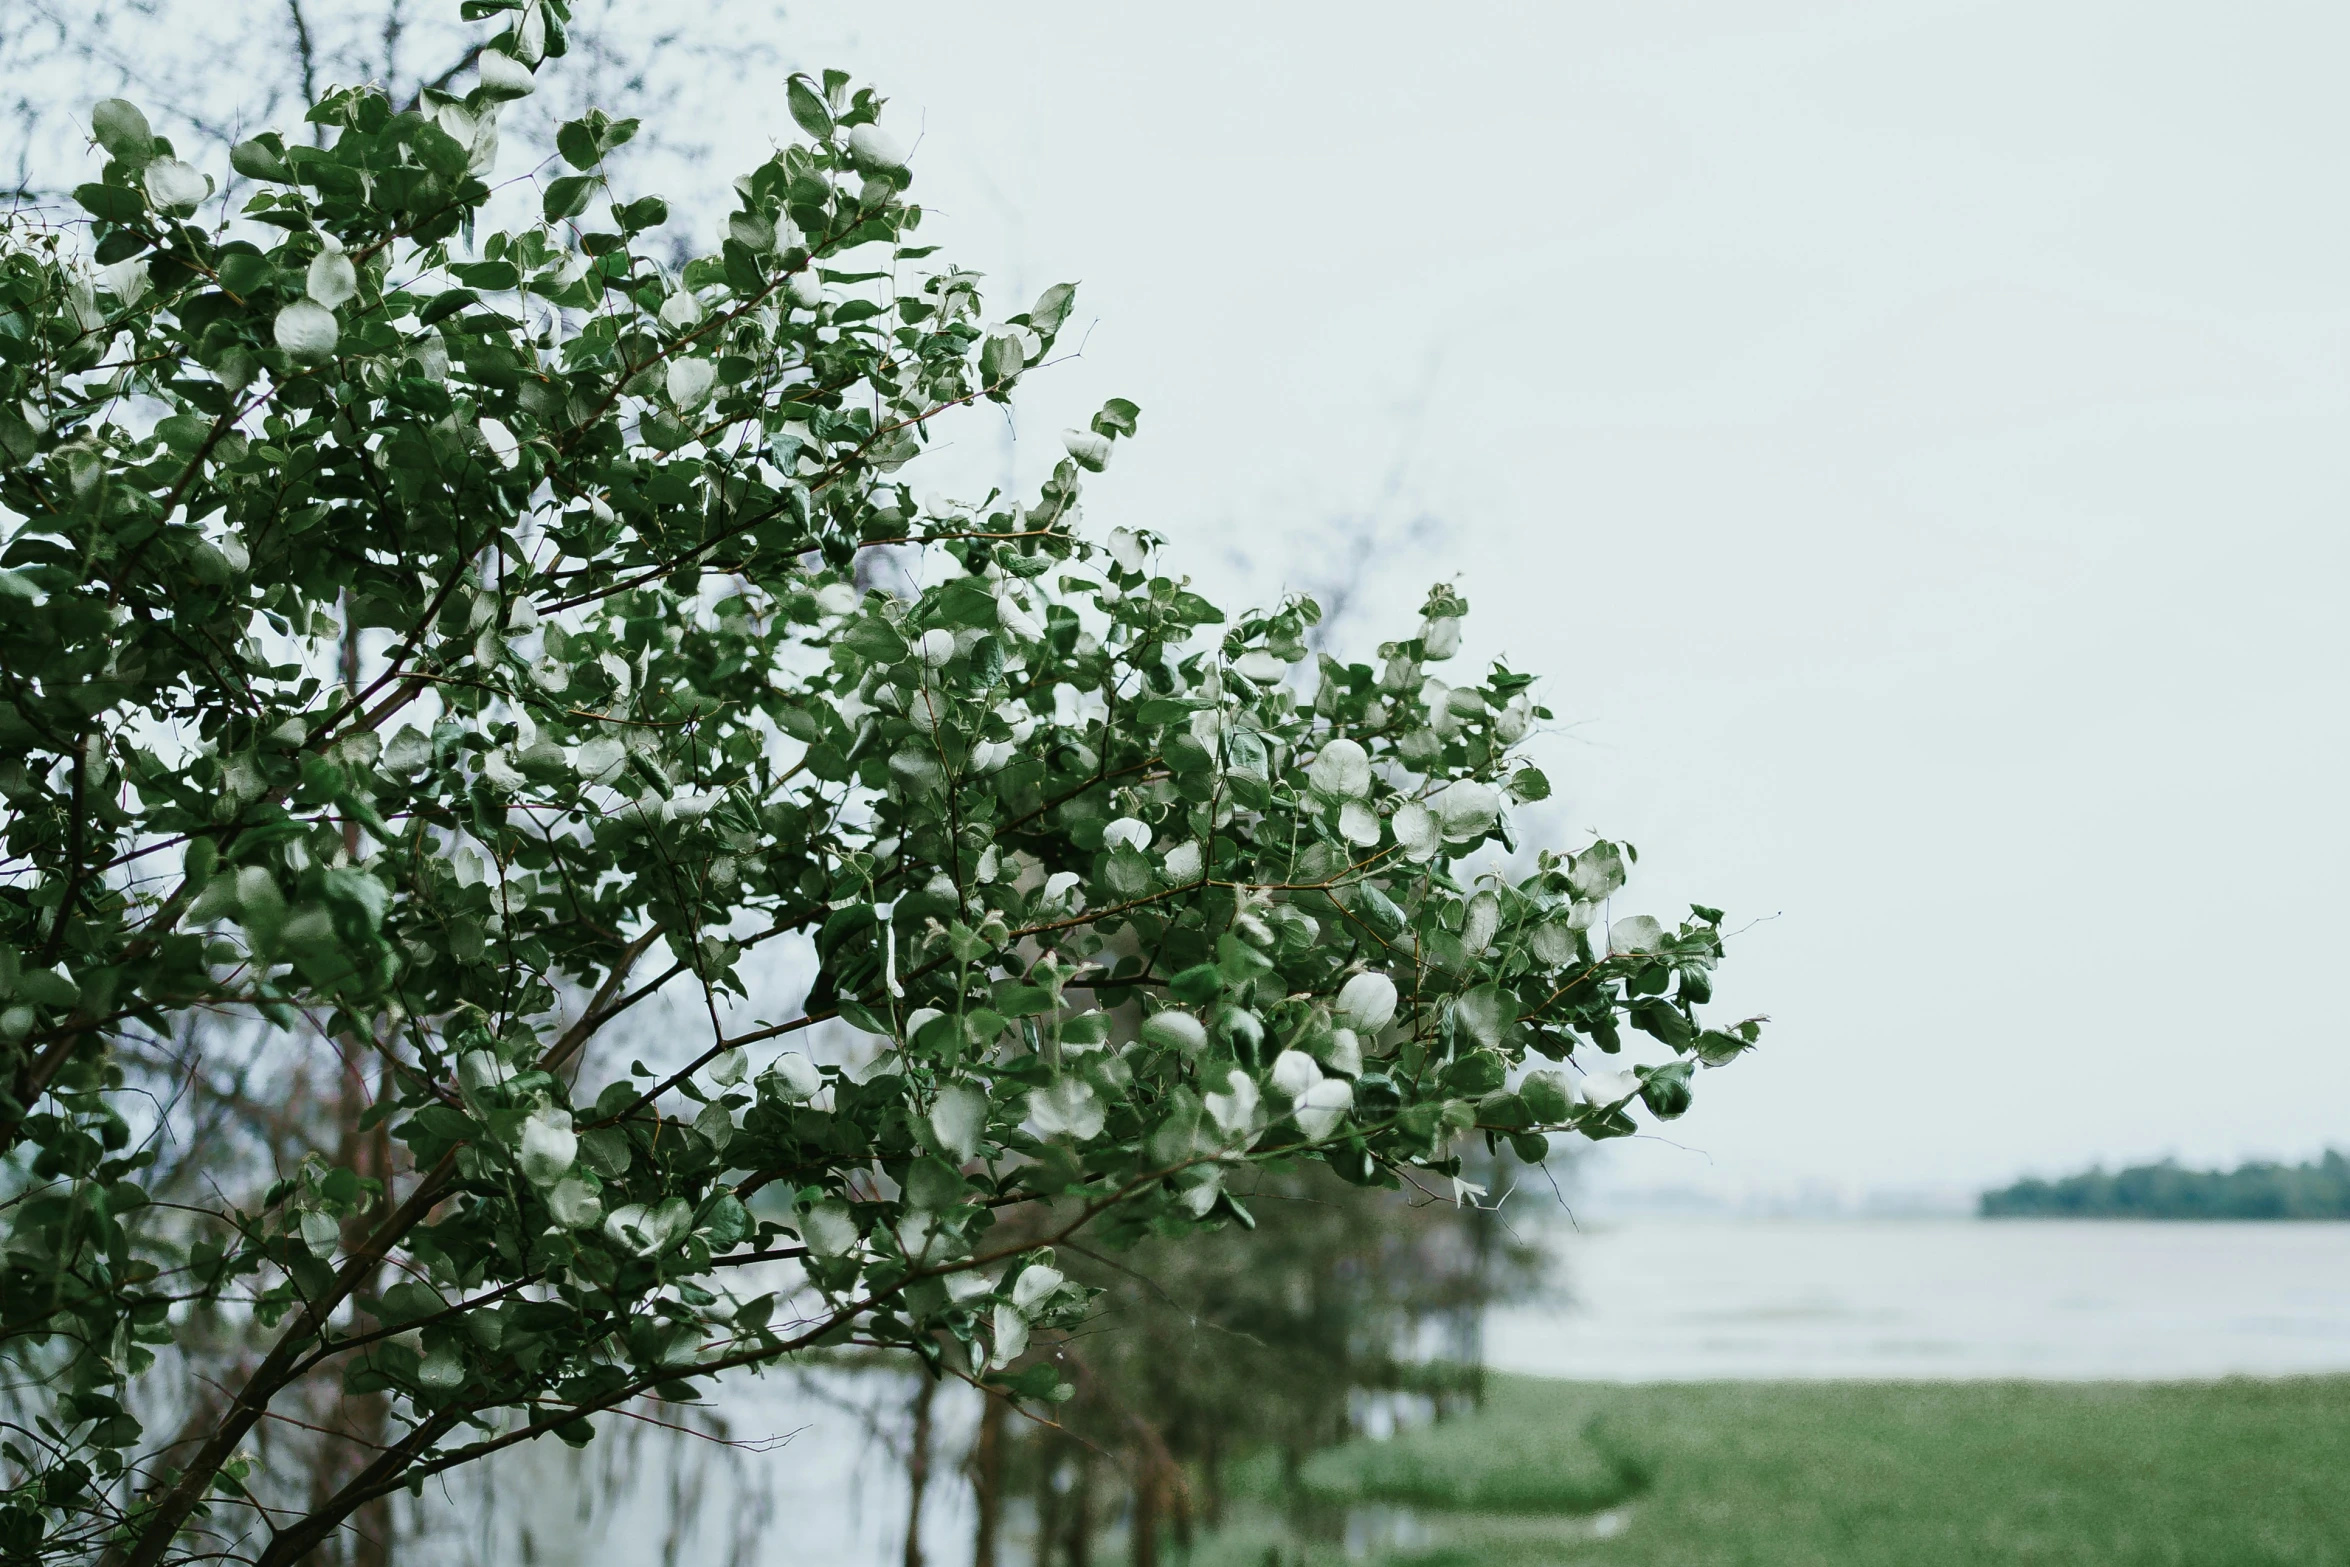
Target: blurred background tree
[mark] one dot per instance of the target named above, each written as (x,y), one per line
(2319,1189)
(1346,1311)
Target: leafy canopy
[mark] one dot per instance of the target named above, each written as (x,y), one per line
(429,644)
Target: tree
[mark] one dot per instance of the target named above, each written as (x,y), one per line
(2319,1189)
(1203,1349)
(426,644)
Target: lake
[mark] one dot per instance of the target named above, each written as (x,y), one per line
(1676,1299)
(1643,1299)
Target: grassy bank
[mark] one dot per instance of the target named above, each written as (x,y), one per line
(2226,1474)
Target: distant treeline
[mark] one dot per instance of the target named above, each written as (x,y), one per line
(2320,1190)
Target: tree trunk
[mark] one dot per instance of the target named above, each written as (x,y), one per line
(357,1426)
(1048,1504)
(1158,1480)
(987,1480)
(1180,1484)
(918,1464)
(1081,1512)
(1150,1481)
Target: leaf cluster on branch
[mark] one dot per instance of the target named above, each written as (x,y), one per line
(433,645)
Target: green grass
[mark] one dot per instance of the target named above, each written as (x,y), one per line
(2221,1474)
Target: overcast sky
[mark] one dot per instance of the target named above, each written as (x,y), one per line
(1909,438)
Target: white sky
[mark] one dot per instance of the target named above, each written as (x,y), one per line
(1908,436)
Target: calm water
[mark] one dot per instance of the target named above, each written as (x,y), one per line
(1682,1299)
(1646,1299)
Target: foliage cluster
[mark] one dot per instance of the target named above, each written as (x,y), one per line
(426,644)
(2319,1189)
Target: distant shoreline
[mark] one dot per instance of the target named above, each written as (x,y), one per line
(2319,1189)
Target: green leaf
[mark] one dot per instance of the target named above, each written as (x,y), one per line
(1191,610)
(1660,1018)
(1476,1074)
(262,157)
(606,1149)
(110,203)
(568,196)
(584,142)
(46,988)
(1546,1096)
(1378,911)
(1665,1089)
(1001,360)
(576,141)
(1087,1029)
(497,276)
(742,273)
(1052,308)
(876,640)
(1503,1112)
(1488,1012)
(410,1300)
(1118,417)
(807,108)
(1198,985)
(726,1222)
(646,212)
(1157,710)
(19,443)
(445,305)
(123,131)
(933,1185)
(1016,1000)
(1716,1048)
(245,272)
(183,433)
(863,1018)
